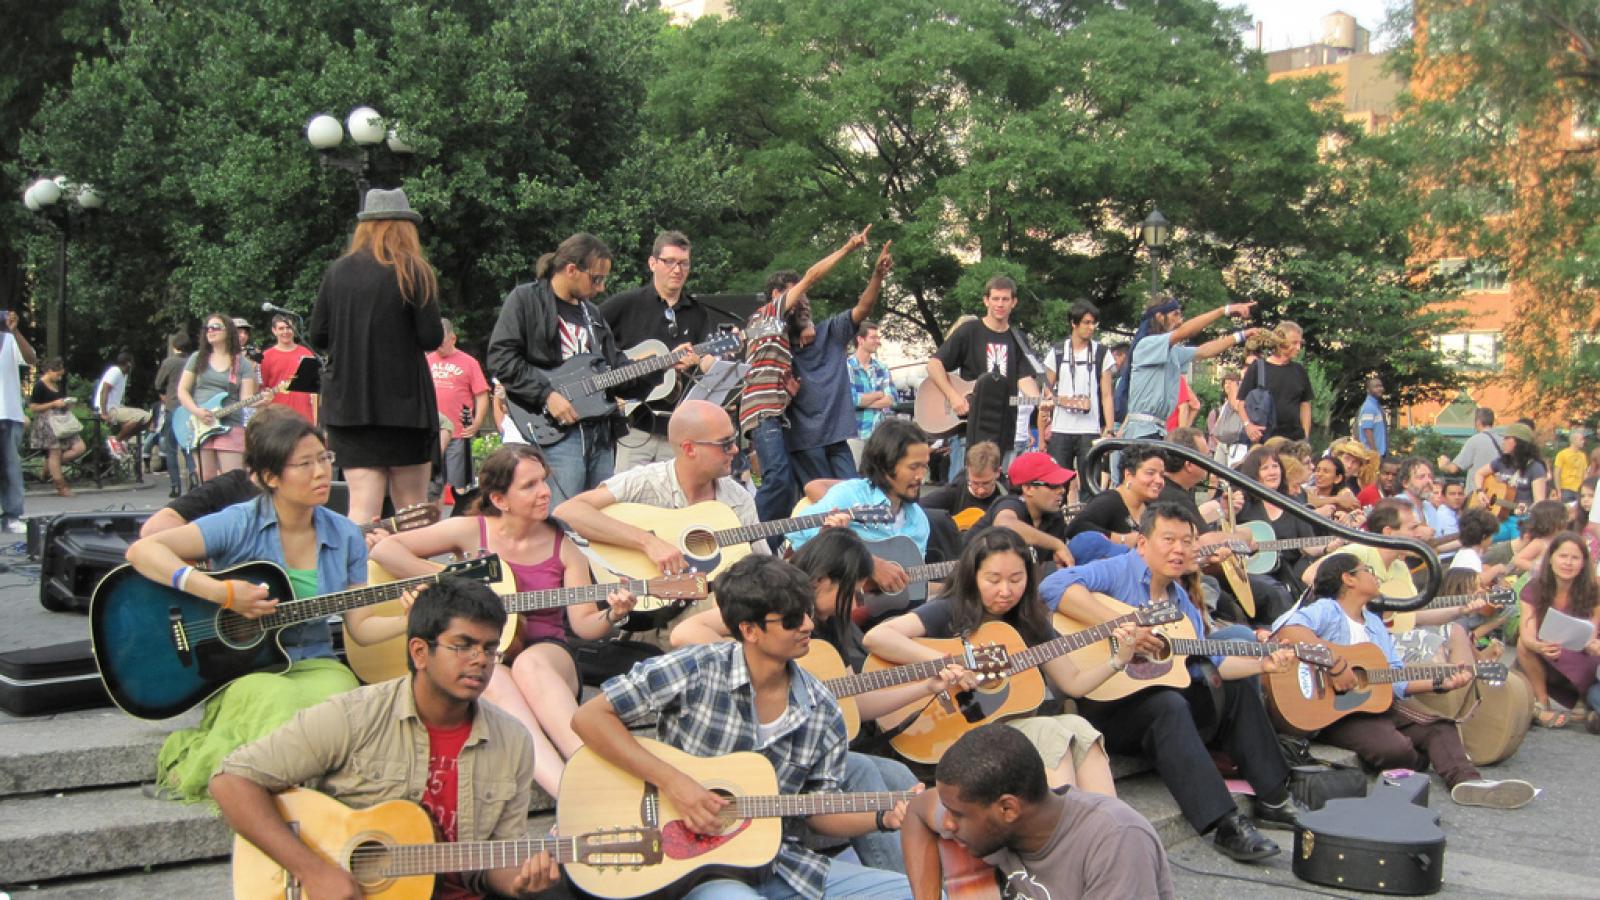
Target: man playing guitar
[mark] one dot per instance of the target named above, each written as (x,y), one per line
(478,781)
(993,801)
(714,699)
(1159,722)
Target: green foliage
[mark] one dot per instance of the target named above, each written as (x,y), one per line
(1423,442)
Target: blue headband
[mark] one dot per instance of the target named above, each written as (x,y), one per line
(1169,306)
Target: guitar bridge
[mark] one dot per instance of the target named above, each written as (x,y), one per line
(180,636)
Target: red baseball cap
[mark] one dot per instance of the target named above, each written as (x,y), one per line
(1037,467)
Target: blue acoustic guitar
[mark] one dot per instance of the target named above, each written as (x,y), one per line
(161,651)
(190,437)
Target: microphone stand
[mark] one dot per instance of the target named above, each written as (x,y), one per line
(1102,449)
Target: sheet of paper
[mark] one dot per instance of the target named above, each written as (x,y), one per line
(1559,628)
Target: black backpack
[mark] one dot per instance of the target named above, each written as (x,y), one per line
(1259,407)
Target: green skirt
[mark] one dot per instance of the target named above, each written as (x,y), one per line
(246,710)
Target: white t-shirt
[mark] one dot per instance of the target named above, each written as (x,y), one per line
(1077,377)
(1355,632)
(118,380)
(1467,558)
(10,380)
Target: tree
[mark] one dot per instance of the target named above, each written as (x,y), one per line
(1502,95)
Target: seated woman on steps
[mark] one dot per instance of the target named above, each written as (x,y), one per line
(1566,583)
(538,684)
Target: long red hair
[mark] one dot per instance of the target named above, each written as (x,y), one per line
(394,243)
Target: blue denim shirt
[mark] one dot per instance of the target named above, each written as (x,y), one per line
(1124,577)
(248,532)
(1326,617)
(912,521)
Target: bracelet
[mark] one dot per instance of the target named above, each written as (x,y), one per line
(1238,337)
(228,603)
(881,825)
(616,622)
(179,574)
(1438,684)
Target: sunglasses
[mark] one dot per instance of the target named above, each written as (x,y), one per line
(726,445)
(790,621)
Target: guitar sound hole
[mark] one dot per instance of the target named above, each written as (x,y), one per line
(700,543)
(726,820)
(237,631)
(369,862)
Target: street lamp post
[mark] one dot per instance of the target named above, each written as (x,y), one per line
(1155,231)
(45,198)
(366,129)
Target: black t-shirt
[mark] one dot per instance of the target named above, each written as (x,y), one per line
(641,315)
(1289,386)
(215,495)
(953,498)
(573,332)
(1291,563)
(936,616)
(43,394)
(975,349)
(1172,493)
(1106,513)
(1053,523)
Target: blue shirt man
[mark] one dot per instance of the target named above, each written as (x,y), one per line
(1372,428)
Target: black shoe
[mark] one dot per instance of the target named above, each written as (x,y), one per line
(1285,815)
(173,492)
(1238,839)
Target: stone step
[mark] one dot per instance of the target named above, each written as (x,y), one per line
(45,836)
(93,748)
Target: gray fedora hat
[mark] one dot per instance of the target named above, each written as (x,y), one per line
(383,204)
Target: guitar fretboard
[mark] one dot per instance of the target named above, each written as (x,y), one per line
(768,806)
(294,612)
(252,400)
(1498,598)
(555,598)
(850,685)
(1192,647)
(616,377)
(1417,673)
(1042,653)
(471,856)
(747,533)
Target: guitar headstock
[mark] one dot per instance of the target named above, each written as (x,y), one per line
(724,343)
(620,848)
(1164,613)
(1314,654)
(872,515)
(409,519)
(991,661)
(484,568)
(688,586)
(1492,673)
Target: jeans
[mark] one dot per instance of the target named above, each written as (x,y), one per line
(178,462)
(580,461)
(833,461)
(775,497)
(11,468)
(844,880)
(876,774)
(958,456)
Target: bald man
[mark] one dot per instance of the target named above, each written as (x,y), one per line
(703,444)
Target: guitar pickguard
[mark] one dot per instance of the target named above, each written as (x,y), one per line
(679,841)
(975,706)
(1350,700)
(1148,669)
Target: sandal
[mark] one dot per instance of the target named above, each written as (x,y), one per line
(1548,718)
(1592,722)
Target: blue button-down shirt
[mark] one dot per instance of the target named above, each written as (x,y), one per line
(1124,577)
(1327,618)
(874,376)
(912,522)
(705,706)
(248,532)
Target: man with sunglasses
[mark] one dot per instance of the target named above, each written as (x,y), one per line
(746,695)
(659,310)
(1034,513)
(476,785)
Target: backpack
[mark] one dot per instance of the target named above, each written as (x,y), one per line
(1119,399)
(1259,407)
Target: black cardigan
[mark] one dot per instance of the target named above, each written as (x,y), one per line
(377,346)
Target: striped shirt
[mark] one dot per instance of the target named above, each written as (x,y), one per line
(770,361)
(705,706)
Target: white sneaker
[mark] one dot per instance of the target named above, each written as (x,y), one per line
(1512,793)
(16,526)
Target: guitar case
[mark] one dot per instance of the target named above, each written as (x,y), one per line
(1496,728)
(44,680)
(1388,842)
(79,549)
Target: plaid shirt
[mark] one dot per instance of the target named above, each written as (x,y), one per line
(706,707)
(874,376)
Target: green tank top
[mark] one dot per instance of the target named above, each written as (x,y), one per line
(303,582)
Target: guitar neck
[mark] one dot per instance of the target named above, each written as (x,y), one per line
(471,856)
(747,533)
(1043,653)
(1192,647)
(252,400)
(1413,673)
(555,598)
(1448,601)
(1292,543)
(617,377)
(861,683)
(771,806)
(931,571)
(294,612)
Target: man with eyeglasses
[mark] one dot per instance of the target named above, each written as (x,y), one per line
(748,694)
(978,487)
(476,786)
(659,310)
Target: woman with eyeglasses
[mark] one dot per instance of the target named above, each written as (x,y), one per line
(537,681)
(218,368)
(321,551)
(377,318)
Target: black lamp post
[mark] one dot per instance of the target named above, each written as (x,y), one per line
(366,129)
(1155,231)
(46,197)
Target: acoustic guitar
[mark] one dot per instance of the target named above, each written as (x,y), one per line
(876,605)
(933,411)
(386,659)
(1265,557)
(1497,497)
(966,877)
(419,515)
(390,849)
(596,794)
(988,661)
(930,727)
(1302,700)
(1400,622)
(161,651)
(1170,669)
(587,382)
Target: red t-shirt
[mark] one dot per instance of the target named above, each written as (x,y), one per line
(278,366)
(444,748)
(457,381)
(1185,396)
(1369,495)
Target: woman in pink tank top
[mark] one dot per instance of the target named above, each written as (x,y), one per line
(539,684)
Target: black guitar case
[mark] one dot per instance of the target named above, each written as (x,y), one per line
(44,680)
(1388,842)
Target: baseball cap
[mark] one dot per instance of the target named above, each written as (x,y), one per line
(240,323)
(1037,467)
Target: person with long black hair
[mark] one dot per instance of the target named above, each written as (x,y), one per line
(1520,467)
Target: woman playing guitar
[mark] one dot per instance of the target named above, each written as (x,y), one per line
(1523,479)
(994,581)
(538,684)
(218,367)
(322,552)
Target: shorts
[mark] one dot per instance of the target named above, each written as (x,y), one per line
(1055,736)
(122,415)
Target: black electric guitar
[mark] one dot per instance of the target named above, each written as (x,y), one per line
(587,382)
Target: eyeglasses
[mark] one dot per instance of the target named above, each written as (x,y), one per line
(726,445)
(324,458)
(674,265)
(215,327)
(790,621)
(594,279)
(469,652)
(1363,570)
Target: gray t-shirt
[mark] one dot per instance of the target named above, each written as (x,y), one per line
(1101,850)
(208,383)
(1479,450)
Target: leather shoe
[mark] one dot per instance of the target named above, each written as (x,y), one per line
(1238,839)
(1286,815)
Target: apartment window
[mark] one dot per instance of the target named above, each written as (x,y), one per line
(1472,275)
(1470,349)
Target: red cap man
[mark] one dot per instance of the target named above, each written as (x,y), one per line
(1038,468)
